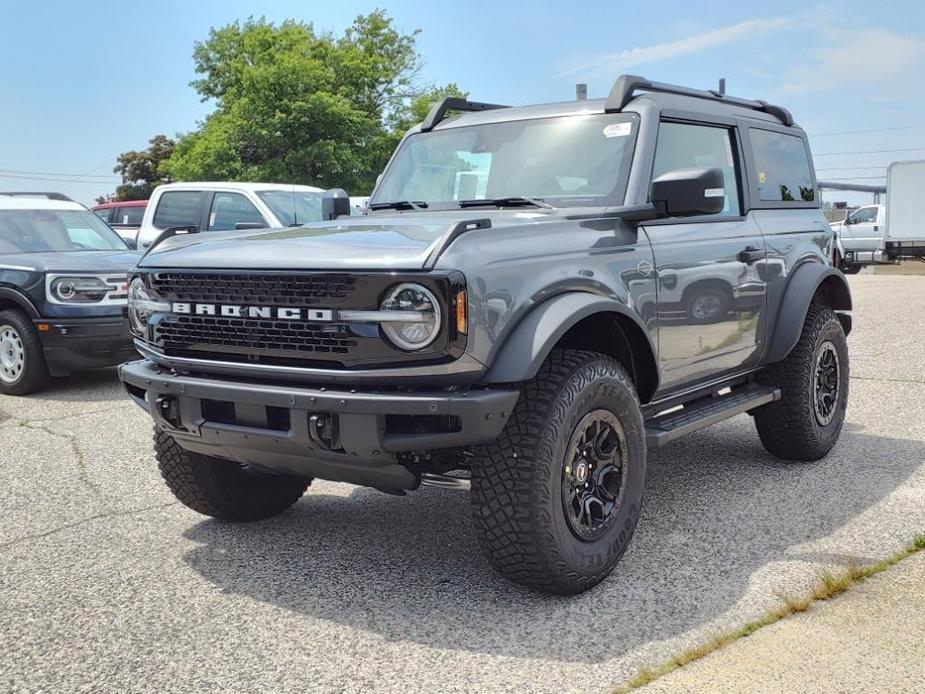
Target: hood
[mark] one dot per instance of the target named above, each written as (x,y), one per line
(390,242)
(103,262)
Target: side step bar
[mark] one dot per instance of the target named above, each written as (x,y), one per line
(707,411)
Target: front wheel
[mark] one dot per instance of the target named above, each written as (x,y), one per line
(556,498)
(806,422)
(221,488)
(22,361)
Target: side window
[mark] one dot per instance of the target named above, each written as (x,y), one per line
(103,214)
(783,174)
(865,214)
(177,208)
(128,216)
(685,146)
(229,209)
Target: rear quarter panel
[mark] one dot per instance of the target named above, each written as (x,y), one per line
(792,238)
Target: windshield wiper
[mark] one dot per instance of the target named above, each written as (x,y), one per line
(516,201)
(399,205)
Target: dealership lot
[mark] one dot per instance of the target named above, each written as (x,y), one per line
(106,583)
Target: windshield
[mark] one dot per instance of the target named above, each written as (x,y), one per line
(568,161)
(39,231)
(293,207)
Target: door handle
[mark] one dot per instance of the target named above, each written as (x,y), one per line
(751,254)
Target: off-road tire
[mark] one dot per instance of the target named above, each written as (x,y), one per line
(789,428)
(517,481)
(34,374)
(223,489)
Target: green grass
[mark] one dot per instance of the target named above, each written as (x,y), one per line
(827,587)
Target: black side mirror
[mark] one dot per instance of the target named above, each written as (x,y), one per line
(334,203)
(241,226)
(687,192)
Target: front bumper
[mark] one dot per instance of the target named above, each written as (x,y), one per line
(341,435)
(77,344)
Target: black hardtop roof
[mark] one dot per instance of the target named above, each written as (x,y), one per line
(626,90)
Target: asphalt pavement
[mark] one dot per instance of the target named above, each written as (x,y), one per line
(108,585)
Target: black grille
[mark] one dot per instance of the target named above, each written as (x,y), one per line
(253,336)
(306,341)
(255,289)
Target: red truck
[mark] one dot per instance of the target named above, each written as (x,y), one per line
(125,217)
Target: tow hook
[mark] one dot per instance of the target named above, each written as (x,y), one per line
(167,409)
(322,430)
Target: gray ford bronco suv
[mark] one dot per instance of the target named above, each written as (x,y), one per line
(536,298)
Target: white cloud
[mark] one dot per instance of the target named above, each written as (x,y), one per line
(869,57)
(615,63)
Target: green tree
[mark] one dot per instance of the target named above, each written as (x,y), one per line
(296,106)
(140,170)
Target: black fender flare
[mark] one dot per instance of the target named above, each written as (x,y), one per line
(21,300)
(801,289)
(534,337)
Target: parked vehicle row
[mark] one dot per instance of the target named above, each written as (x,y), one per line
(533,298)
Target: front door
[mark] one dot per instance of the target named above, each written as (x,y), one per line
(862,230)
(711,290)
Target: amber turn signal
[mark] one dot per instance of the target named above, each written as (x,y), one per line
(461,318)
(43,327)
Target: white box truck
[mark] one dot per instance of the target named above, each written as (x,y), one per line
(903,228)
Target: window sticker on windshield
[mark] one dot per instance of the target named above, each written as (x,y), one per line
(762,177)
(618,130)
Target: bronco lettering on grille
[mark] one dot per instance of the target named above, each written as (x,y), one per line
(232,311)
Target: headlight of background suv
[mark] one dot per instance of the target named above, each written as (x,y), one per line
(80,289)
(415,316)
(141,304)
(73,289)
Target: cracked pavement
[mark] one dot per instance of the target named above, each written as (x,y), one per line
(108,585)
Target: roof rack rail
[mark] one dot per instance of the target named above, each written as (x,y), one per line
(625,86)
(453,103)
(36,194)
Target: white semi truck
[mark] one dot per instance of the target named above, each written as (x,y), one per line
(877,234)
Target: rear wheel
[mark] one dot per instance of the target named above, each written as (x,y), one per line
(22,361)
(224,489)
(556,498)
(806,422)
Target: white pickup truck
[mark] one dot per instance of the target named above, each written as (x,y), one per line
(219,206)
(886,233)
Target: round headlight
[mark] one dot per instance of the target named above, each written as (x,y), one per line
(415,319)
(83,290)
(64,289)
(141,304)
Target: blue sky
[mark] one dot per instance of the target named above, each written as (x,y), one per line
(83,81)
